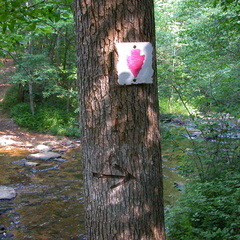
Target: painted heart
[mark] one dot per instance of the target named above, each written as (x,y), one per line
(135,61)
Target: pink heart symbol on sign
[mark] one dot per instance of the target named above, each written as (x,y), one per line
(135,61)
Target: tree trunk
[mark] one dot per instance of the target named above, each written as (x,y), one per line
(29,72)
(119,125)
(31,100)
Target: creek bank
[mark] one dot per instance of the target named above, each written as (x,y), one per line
(186,140)
(208,128)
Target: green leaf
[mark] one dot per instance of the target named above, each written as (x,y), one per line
(11,26)
(3,17)
(4,27)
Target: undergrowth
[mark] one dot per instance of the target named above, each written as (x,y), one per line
(50,116)
(209,154)
(207,210)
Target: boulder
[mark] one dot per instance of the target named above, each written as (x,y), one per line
(43,148)
(6,235)
(44,156)
(61,160)
(7,193)
(31,164)
(20,162)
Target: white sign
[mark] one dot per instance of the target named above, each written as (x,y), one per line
(134,63)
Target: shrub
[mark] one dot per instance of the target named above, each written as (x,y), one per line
(46,118)
(208,210)
(11,97)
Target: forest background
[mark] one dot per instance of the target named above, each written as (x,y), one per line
(198,49)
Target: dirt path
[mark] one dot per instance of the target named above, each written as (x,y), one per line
(13,136)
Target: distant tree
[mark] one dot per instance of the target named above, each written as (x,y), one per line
(226,3)
(40,28)
(119,125)
(198,61)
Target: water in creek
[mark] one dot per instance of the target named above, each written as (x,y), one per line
(49,204)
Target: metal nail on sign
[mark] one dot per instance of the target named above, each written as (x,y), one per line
(134,63)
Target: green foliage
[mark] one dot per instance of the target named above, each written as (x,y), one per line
(207,210)
(68,130)
(11,98)
(198,54)
(225,4)
(48,81)
(177,107)
(19,17)
(39,36)
(204,147)
(34,68)
(208,207)
(46,119)
(216,149)
(21,115)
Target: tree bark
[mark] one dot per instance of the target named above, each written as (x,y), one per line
(121,152)
(31,99)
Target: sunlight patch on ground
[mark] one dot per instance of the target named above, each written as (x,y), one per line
(5,140)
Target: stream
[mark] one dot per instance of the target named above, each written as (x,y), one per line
(49,200)
(48,205)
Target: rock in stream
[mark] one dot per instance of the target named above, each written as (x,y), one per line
(7,193)
(44,156)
